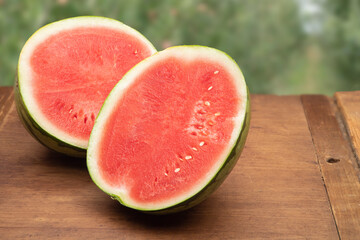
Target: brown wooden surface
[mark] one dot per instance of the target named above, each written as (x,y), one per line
(6,99)
(337,162)
(349,104)
(276,190)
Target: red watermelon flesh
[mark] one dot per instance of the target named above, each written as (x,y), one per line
(169,129)
(74,71)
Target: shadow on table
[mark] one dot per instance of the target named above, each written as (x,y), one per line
(75,170)
(53,158)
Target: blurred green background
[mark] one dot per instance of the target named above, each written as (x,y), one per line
(282,46)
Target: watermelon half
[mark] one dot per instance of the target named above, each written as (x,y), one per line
(65,72)
(171,130)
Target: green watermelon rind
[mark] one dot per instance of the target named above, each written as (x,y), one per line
(217,179)
(29,122)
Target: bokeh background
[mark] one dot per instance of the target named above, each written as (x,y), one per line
(282,46)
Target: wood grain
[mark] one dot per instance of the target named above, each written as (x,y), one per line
(6,101)
(349,105)
(338,164)
(274,192)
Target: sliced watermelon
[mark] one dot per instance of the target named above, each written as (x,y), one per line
(65,72)
(171,130)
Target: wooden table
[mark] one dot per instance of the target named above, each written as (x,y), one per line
(298,178)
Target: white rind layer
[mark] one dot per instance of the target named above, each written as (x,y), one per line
(25,73)
(185,53)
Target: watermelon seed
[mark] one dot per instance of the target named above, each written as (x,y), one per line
(70,110)
(201,143)
(179,156)
(201,111)
(210,88)
(207,103)
(194,148)
(135,52)
(211,123)
(217,114)
(188,157)
(85,119)
(92,117)
(204,132)
(177,170)
(75,116)
(216,72)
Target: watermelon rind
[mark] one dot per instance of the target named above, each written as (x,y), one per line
(31,116)
(219,173)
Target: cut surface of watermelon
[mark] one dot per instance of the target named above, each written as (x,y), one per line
(175,123)
(67,69)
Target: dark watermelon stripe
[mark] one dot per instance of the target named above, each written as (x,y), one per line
(219,178)
(40,134)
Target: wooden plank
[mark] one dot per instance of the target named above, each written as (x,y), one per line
(349,105)
(337,162)
(274,192)
(6,101)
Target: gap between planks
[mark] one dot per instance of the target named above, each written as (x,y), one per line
(337,163)
(349,106)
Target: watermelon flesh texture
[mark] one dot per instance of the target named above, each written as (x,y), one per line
(74,71)
(169,130)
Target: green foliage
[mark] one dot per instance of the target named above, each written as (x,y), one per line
(341,41)
(266,38)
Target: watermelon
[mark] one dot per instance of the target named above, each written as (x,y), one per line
(171,130)
(65,72)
